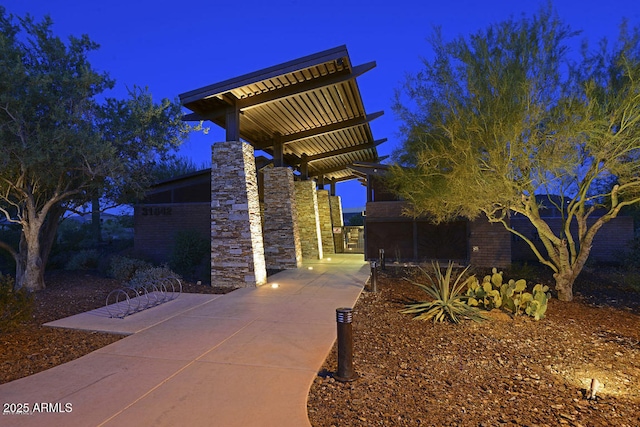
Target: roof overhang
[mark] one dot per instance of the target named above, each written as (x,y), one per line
(306,113)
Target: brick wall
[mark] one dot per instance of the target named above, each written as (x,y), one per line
(612,238)
(156,225)
(385,209)
(489,244)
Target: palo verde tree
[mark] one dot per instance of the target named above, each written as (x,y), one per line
(504,115)
(59,146)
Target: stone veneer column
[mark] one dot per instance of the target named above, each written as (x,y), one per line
(335,203)
(237,249)
(308,221)
(326,226)
(282,249)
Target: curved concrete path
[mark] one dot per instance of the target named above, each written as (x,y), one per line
(247,358)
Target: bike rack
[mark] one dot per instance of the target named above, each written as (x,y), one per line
(128,300)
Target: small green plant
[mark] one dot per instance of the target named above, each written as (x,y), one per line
(15,306)
(124,268)
(509,296)
(150,276)
(448,299)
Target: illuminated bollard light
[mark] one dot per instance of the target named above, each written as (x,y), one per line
(381,259)
(374,277)
(344,317)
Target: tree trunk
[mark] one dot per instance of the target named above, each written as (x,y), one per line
(48,234)
(564,284)
(36,242)
(29,268)
(96,225)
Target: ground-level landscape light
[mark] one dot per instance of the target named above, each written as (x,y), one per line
(344,317)
(381,259)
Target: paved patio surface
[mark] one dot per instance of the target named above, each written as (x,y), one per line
(247,358)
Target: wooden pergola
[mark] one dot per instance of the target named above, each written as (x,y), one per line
(306,113)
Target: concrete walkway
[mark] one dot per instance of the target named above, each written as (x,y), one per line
(247,358)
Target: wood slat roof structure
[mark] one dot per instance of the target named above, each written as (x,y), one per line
(306,113)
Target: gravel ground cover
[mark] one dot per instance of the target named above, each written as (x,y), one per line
(511,371)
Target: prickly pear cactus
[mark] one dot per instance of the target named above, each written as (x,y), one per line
(537,307)
(511,296)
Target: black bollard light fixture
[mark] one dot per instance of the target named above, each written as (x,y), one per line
(344,317)
(374,277)
(381,259)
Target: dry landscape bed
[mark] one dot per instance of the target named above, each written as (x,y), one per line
(507,372)
(33,348)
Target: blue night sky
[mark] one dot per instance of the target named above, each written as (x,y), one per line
(173,47)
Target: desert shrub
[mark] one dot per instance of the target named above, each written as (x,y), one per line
(448,298)
(125,268)
(190,250)
(631,280)
(147,277)
(15,306)
(83,260)
(75,235)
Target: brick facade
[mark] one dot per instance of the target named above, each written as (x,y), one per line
(157,224)
(610,240)
(489,244)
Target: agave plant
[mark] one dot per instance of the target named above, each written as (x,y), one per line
(448,299)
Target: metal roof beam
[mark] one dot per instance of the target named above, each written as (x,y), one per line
(346,150)
(335,54)
(304,87)
(284,92)
(352,166)
(323,130)
(328,171)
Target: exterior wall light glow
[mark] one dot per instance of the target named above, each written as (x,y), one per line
(309,268)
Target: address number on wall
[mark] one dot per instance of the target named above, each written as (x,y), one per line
(156,211)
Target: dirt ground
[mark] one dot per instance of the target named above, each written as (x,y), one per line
(32,348)
(507,372)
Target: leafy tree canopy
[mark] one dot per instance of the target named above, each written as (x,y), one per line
(60,146)
(504,114)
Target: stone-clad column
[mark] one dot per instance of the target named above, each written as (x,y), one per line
(237,250)
(326,226)
(308,221)
(335,203)
(282,249)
